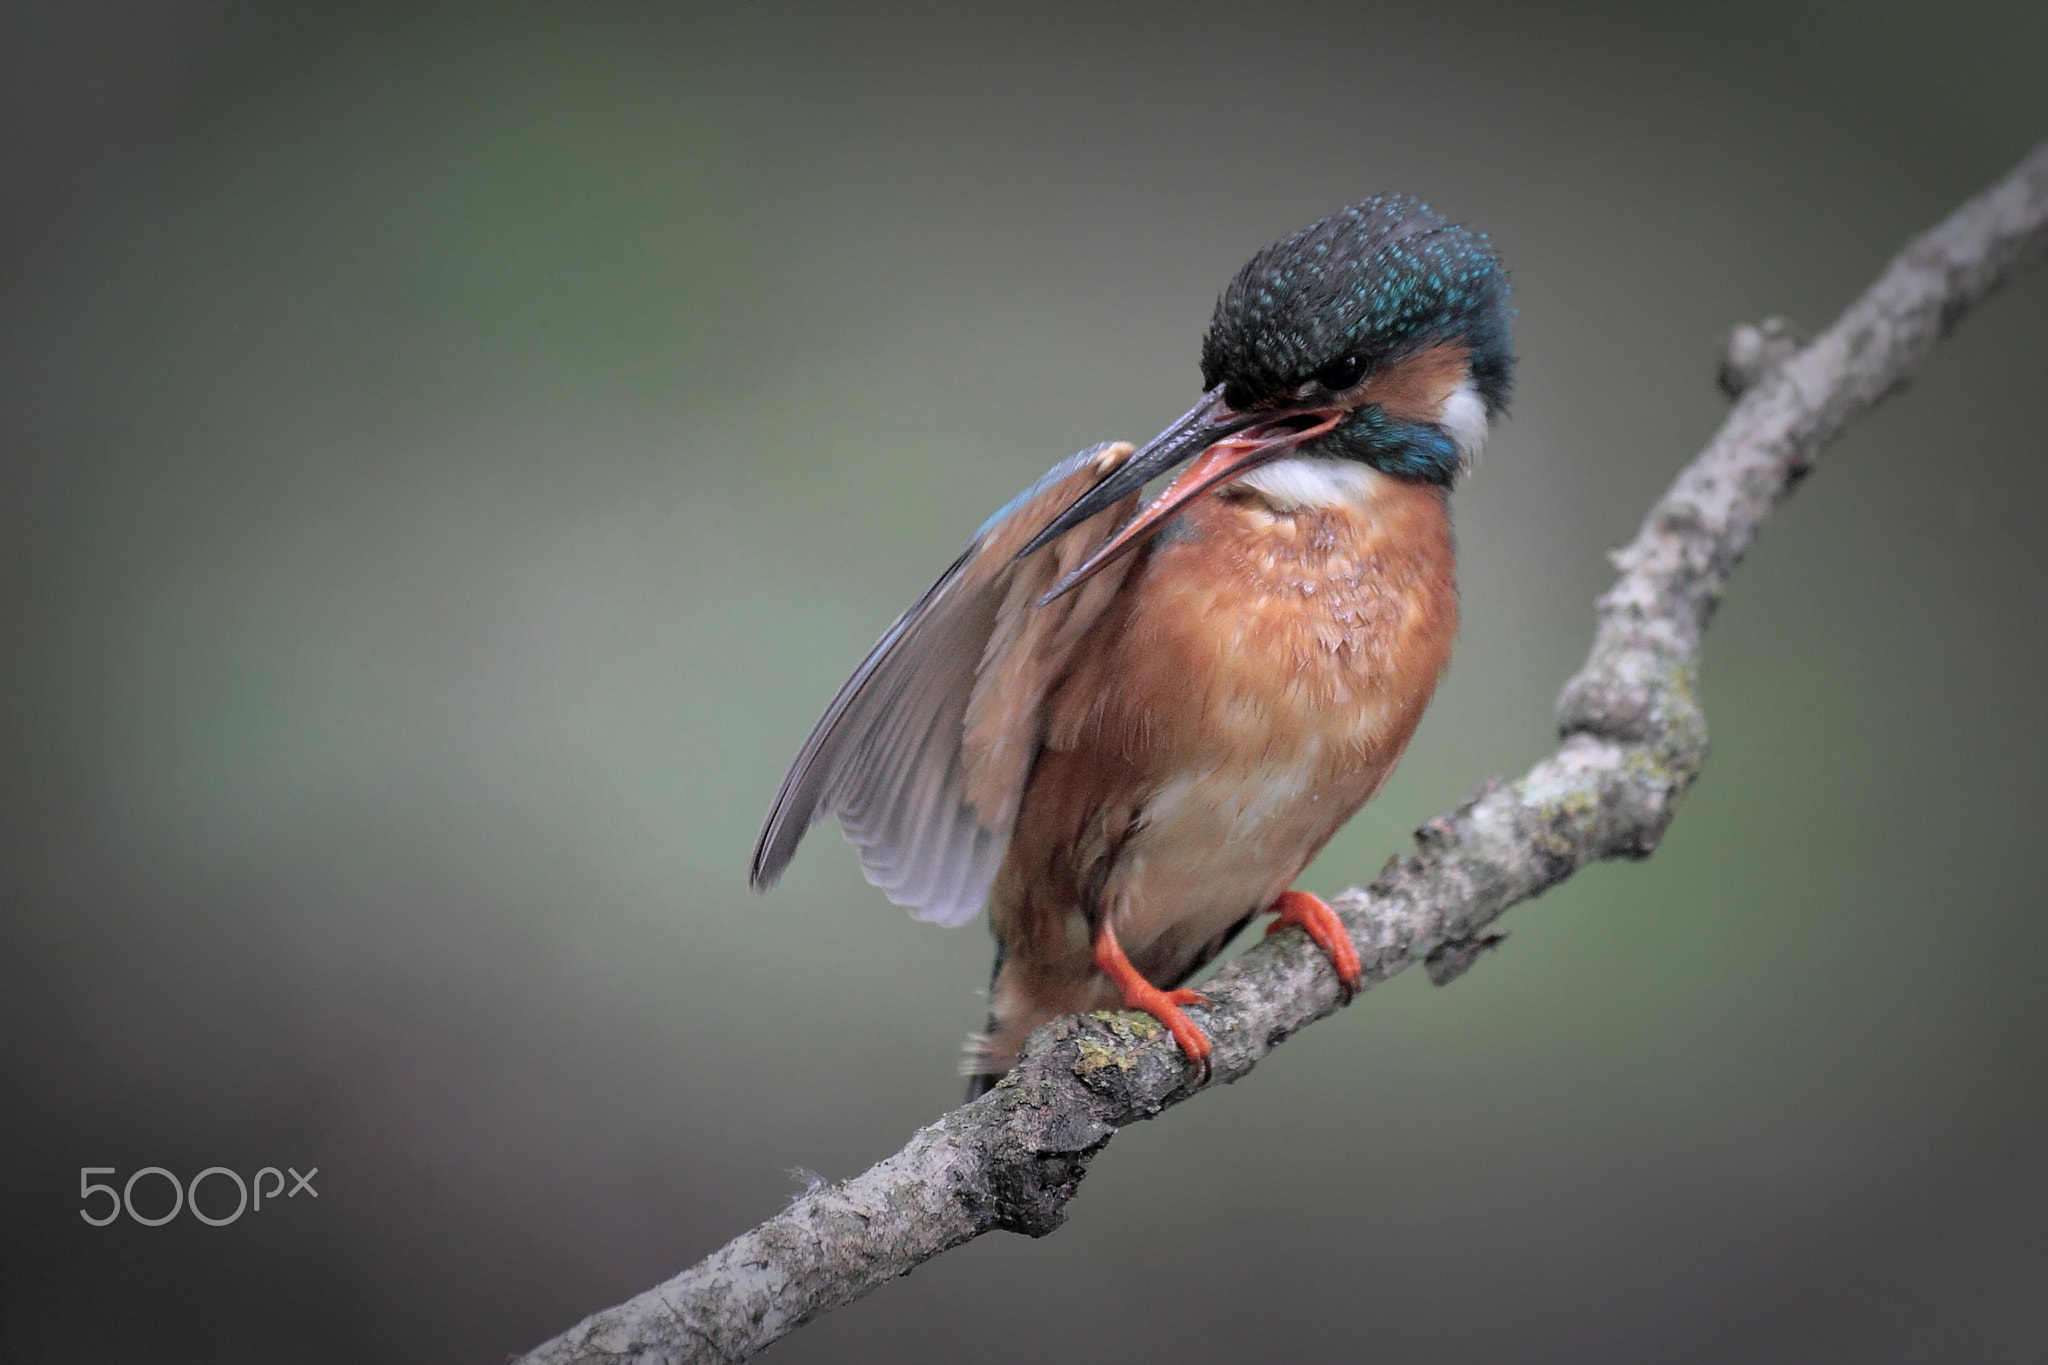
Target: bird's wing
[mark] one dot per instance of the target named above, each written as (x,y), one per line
(924,753)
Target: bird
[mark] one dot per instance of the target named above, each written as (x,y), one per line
(1123,726)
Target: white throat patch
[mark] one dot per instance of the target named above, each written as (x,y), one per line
(1297,482)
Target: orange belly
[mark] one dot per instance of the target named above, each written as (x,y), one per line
(1254,683)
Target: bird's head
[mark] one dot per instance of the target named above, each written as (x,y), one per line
(1382,315)
(1379,334)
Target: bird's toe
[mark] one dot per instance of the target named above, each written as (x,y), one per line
(1316,919)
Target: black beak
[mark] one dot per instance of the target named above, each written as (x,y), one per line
(1212,425)
(1193,432)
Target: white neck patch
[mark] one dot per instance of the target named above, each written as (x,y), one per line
(1463,418)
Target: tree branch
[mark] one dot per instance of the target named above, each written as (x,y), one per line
(1633,739)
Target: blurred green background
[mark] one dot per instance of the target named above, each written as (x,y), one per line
(451,455)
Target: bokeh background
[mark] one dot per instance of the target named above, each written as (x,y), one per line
(451,454)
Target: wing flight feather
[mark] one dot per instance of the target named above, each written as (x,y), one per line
(924,753)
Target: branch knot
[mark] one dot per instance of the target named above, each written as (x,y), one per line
(1753,350)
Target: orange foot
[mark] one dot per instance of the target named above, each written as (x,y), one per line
(1320,923)
(1165,1006)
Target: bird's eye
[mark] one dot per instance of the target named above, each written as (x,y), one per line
(1341,374)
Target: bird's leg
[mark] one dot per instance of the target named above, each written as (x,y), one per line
(1165,1006)
(1320,923)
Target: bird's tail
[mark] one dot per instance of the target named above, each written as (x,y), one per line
(979,1083)
(980,1065)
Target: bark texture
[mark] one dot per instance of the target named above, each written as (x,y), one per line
(1633,738)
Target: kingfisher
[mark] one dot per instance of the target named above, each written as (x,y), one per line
(1124,726)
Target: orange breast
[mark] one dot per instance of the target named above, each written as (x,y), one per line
(1251,631)
(1255,682)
